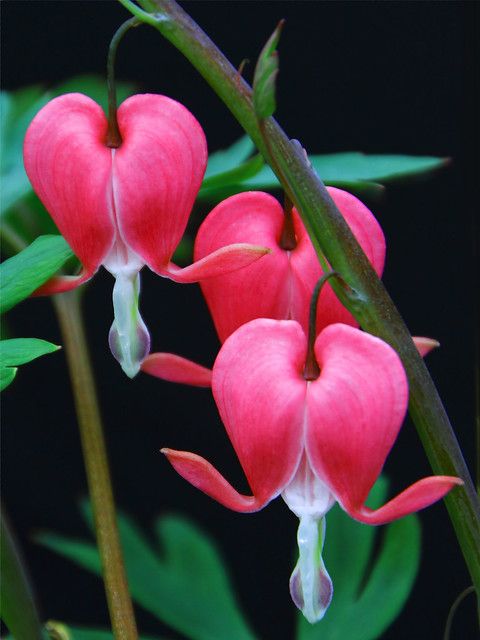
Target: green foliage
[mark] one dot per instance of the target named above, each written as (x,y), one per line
(230,171)
(17,351)
(266,71)
(369,593)
(17,606)
(22,274)
(184,585)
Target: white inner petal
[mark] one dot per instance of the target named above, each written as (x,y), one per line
(306,494)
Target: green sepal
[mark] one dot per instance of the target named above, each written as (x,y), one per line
(264,79)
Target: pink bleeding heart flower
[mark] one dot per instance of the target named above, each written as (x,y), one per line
(279,286)
(312,442)
(123,207)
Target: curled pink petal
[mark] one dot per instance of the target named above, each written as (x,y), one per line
(355,410)
(173,368)
(157,172)
(69,167)
(425,345)
(258,386)
(224,260)
(419,495)
(60,284)
(205,477)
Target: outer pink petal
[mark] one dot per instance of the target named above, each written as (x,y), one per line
(419,495)
(260,393)
(60,284)
(168,366)
(259,290)
(355,409)
(69,167)
(205,477)
(158,171)
(224,260)
(425,345)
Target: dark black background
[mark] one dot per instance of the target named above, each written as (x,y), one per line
(375,76)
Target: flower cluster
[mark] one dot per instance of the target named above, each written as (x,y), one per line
(313,439)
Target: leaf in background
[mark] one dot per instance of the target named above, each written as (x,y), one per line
(365,600)
(215,185)
(230,158)
(20,351)
(185,586)
(22,274)
(18,109)
(17,604)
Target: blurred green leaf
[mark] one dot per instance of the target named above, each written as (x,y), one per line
(369,593)
(20,351)
(7,375)
(17,605)
(94,87)
(266,71)
(230,158)
(22,274)
(185,585)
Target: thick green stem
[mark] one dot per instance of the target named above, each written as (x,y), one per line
(67,306)
(331,236)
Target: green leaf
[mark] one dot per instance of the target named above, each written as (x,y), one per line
(17,605)
(369,593)
(266,71)
(22,274)
(217,183)
(230,158)
(22,350)
(7,375)
(18,351)
(353,167)
(185,586)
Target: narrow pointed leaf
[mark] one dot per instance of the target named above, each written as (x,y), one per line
(22,274)
(22,350)
(7,375)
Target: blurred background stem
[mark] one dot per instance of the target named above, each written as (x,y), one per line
(68,309)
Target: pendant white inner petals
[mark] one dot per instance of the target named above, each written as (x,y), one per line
(309,498)
(129,339)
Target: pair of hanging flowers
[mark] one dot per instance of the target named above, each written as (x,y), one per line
(312,410)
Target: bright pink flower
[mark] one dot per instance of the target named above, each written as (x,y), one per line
(280,286)
(313,442)
(127,207)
